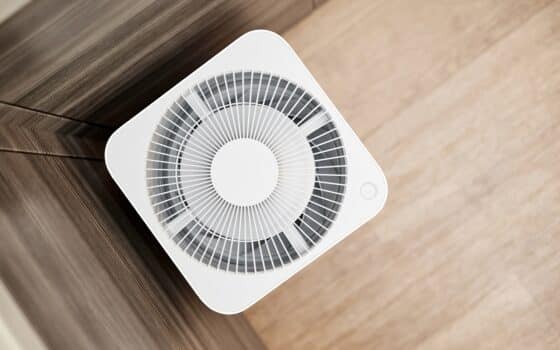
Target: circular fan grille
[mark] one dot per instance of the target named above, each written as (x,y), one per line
(246,171)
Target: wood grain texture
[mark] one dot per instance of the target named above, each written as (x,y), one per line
(24,130)
(86,271)
(460,104)
(391,53)
(317,3)
(103,61)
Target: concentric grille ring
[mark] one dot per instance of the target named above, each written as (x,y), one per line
(246,171)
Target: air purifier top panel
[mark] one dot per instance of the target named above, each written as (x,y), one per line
(245,172)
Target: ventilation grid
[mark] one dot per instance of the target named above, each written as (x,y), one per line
(246,171)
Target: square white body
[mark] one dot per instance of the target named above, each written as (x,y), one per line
(230,292)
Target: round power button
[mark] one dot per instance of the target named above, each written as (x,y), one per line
(368,190)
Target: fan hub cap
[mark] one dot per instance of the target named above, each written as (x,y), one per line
(244,172)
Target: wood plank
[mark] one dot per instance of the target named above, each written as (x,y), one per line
(465,255)
(375,58)
(104,61)
(24,130)
(86,271)
(514,323)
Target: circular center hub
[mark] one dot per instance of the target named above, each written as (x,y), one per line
(244,172)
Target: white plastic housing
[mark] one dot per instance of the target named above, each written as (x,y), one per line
(126,153)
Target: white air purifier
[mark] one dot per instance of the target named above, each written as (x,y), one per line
(245,172)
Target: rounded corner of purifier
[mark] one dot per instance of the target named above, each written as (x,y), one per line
(109,153)
(264,34)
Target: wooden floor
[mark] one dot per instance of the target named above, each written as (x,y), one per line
(459,101)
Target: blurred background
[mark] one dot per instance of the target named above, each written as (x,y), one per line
(459,102)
